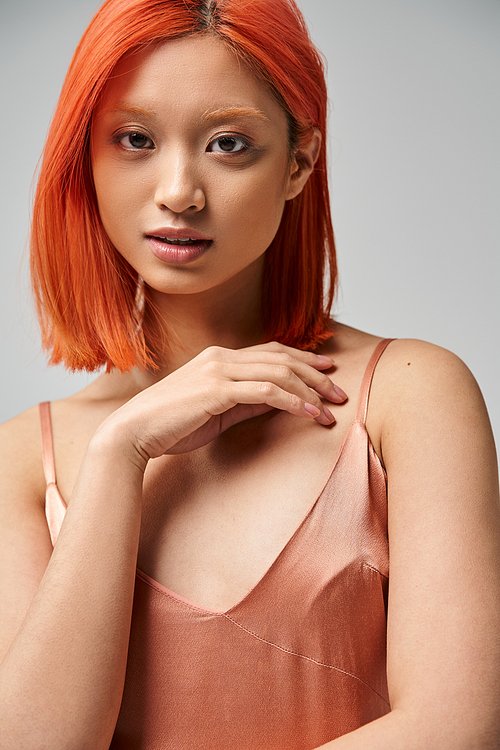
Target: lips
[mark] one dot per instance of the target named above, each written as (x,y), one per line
(179,233)
(173,241)
(177,246)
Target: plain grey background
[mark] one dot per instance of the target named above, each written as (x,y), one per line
(415,172)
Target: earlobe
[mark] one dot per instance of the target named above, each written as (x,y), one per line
(303,165)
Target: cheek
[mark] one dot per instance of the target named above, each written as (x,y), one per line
(105,188)
(258,202)
(116,197)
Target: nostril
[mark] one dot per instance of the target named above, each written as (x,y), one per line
(178,198)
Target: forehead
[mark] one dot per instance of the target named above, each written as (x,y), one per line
(196,72)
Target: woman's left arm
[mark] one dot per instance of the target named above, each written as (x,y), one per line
(444,538)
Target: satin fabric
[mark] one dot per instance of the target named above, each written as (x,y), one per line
(300,660)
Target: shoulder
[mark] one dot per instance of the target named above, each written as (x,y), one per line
(417,388)
(418,377)
(427,407)
(21,456)
(411,360)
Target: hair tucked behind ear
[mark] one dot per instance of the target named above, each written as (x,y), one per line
(92,308)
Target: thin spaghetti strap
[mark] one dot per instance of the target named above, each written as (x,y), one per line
(364,393)
(49,464)
(55,507)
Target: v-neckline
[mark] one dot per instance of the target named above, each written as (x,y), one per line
(227,612)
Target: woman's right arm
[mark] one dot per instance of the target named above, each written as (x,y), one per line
(65,620)
(61,679)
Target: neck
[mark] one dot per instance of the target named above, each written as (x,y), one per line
(195,322)
(228,316)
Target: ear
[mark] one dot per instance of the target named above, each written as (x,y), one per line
(302,165)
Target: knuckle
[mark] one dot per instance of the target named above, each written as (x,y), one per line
(267,390)
(283,372)
(211,368)
(274,346)
(213,352)
(288,359)
(315,399)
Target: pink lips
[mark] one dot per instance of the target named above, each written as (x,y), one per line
(177,246)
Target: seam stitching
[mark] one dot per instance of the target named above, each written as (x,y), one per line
(302,656)
(376,570)
(154,585)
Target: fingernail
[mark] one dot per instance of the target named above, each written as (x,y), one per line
(340,393)
(312,410)
(328,414)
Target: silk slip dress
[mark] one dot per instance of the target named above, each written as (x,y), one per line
(300,660)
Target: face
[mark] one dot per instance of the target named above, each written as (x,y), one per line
(191,165)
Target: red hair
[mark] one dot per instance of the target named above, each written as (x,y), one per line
(90,305)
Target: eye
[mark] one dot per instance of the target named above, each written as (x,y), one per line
(228,144)
(135,141)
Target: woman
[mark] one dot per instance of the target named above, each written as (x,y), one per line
(181,233)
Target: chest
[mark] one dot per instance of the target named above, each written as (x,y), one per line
(215,520)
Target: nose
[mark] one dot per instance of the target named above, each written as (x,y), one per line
(178,186)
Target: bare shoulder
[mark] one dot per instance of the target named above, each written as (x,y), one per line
(411,360)
(407,361)
(22,480)
(21,457)
(418,376)
(425,395)
(417,388)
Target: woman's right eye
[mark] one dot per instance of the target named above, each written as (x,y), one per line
(135,141)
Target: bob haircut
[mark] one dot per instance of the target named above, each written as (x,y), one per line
(93,308)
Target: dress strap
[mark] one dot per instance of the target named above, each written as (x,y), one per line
(49,464)
(55,507)
(364,393)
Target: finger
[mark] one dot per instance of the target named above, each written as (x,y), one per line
(317,380)
(281,375)
(319,361)
(288,372)
(267,353)
(242,412)
(285,399)
(290,356)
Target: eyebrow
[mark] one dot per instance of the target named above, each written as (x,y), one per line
(230,113)
(130,109)
(222,113)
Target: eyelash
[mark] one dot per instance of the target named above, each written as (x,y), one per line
(230,137)
(245,146)
(121,136)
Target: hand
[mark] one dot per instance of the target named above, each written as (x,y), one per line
(219,388)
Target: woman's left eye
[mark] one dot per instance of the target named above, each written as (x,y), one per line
(227,144)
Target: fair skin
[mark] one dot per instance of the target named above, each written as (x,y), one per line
(227,177)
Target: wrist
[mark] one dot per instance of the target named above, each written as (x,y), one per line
(113,441)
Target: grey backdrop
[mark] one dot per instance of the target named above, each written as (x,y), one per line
(415,168)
